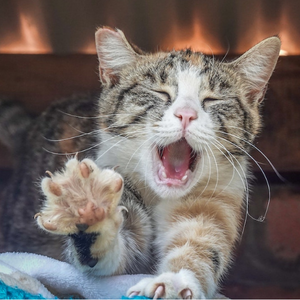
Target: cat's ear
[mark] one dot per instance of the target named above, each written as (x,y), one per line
(114,52)
(256,67)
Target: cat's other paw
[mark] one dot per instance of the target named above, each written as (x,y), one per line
(81,198)
(169,285)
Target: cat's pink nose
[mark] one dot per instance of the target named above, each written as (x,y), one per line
(186,115)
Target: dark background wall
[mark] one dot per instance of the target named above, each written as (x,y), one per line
(213,26)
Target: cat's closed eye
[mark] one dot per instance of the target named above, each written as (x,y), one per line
(210,99)
(162,94)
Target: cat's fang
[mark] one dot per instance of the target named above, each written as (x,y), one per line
(184,178)
(175,163)
(169,181)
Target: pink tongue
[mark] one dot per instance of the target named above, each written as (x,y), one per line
(176,159)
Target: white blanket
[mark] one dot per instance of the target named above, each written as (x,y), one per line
(32,272)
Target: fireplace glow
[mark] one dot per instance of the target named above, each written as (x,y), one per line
(283,52)
(89,48)
(29,39)
(41,26)
(197,38)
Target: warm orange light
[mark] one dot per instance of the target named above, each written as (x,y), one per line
(289,36)
(32,37)
(89,48)
(283,53)
(28,41)
(196,38)
(261,28)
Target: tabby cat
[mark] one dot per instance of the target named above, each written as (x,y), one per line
(149,178)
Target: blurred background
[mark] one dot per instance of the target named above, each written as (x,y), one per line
(54,26)
(47,52)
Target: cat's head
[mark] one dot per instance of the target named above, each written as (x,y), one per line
(178,118)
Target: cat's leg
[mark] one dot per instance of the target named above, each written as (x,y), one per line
(195,241)
(108,231)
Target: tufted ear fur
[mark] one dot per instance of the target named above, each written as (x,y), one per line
(256,67)
(114,52)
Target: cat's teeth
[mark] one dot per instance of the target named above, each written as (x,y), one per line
(184,178)
(164,175)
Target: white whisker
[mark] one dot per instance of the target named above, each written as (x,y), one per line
(136,152)
(72,137)
(243,180)
(114,145)
(217,172)
(262,218)
(209,176)
(267,159)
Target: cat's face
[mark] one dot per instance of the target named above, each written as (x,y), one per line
(177,118)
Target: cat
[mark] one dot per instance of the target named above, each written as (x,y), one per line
(150,177)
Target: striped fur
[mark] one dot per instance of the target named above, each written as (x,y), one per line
(179,126)
(13,125)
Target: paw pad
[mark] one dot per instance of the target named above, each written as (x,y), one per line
(82,227)
(91,214)
(85,169)
(81,198)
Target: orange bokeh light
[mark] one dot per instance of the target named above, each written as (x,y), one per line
(197,38)
(29,39)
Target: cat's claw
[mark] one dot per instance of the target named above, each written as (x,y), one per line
(169,285)
(49,174)
(186,294)
(47,225)
(159,292)
(80,198)
(133,294)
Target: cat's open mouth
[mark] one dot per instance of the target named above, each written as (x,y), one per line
(176,162)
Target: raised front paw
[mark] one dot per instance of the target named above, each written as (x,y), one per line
(169,285)
(81,198)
